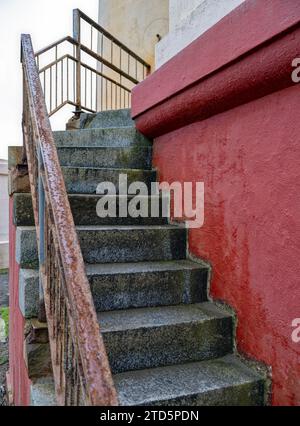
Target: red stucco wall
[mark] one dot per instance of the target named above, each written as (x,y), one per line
(18,376)
(248,159)
(235,126)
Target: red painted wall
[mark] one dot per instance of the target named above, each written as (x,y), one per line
(235,126)
(18,376)
(248,159)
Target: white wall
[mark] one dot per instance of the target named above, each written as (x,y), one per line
(136,23)
(188,20)
(179,10)
(3,215)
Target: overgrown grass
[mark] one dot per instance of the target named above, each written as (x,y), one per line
(3,271)
(4,313)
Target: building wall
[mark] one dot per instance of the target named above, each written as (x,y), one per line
(136,23)
(3,215)
(226,114)
(188,20)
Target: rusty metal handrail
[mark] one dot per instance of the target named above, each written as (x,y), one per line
(118,70)
(80,365)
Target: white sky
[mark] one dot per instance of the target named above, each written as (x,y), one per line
(46,21)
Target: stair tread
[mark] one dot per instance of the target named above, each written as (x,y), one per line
(142,267)
(105,147)
(132,267)
(177,381)
(113,321)
(114,227)
(127,227)
(114,169)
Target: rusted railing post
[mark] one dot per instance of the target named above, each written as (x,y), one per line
(77,37)
(41,240)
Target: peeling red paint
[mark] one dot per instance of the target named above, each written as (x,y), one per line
(18,375)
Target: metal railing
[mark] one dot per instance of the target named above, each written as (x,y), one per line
(92,71)
(81,369)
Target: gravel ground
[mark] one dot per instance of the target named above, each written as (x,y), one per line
(3,346)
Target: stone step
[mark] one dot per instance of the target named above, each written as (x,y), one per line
(129,285)
(84,210)
(142,284)
(115,244)
(114,136)
(104,119)
(136,157)
(152,337)
(84,180)
(220,382)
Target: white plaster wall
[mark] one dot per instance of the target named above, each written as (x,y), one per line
(3,215)
(188,20)
(136,23)
(179,10)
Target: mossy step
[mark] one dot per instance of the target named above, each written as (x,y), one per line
(85,180)
(113,136)
(104,119)
(129,285)
(136,157)
(220,382)
(84,210)
(151,337)
(112,244)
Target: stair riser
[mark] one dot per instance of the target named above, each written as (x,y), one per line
(124,291)
(116,137)
(86,181)
(112,246)
(114,118)
(135,157)
(84,210)
(167,345)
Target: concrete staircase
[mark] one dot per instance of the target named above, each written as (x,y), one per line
(167,344)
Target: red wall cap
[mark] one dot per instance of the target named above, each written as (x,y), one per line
(254,33)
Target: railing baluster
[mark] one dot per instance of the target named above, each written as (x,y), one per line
(41,204)
(56,78)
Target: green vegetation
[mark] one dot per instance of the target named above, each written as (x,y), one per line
(4,313)
(3,271)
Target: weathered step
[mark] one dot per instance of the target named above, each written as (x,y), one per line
(152,337)
(84,180)
(115,136)
(85,212)
(104,119)
(129,285)
(141,284)
(115,244)
(136,157)
(225,381)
